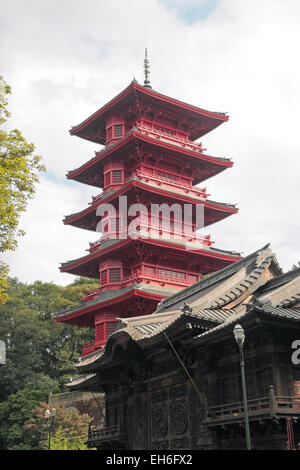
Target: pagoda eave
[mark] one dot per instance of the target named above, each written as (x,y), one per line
(88,266)
(83,316)
(214,211)
(89,128)
(149,211)
(84,173)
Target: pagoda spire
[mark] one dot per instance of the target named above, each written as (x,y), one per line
(146,70)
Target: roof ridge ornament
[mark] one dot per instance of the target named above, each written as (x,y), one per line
(186,309)
(255,303)
(146,70)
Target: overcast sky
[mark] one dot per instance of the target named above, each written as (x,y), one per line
(64,59)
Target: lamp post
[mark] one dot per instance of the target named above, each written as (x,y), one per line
(50,417)
(2,353)
(240,338)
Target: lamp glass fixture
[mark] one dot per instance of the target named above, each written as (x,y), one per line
(239,334)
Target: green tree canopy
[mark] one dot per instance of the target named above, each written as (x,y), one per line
(17,409)
(69,431)
(40,354)
(19,169)
(35,344)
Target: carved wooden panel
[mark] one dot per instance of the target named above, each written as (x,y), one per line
(160,421)
(178,417)
(169,418)
(138,423)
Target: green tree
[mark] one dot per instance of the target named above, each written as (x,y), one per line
(69,431)
(19,169)
(39,351)
(35,344)
(60,441)
(3,282)
(17,409)
(72,295)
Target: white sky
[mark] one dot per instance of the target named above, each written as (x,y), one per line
(66,58)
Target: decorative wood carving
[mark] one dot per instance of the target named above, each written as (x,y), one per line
(178,417)
(177,444)
(159,421)
(160,445)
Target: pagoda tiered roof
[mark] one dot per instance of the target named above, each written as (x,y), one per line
(84,313)
(88,265)
(91,172)
(93,128)
(152,157)
(213,211)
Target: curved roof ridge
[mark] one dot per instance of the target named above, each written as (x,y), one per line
(249,282)
(133,88)
(210,279)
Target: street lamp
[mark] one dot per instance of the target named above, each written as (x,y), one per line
(239,335)
(2,353)
(50,417)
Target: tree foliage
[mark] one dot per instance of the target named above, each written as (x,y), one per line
(19,169)
(16,410)
(69,431)
(38,351)
(3,282)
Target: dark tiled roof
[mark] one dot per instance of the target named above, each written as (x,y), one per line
(258,295)
(104,244)
(81,381)
(213,279)
(288,313)
(280,280)
(113,294)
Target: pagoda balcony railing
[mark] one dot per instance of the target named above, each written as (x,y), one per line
(145,231)
(258,408)
(106,434)
(165,136)
(146,278)
(159,180)
(64,398)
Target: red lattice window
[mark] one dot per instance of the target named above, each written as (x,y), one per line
(109,134)
(118,130)
(103,278)
(115,131)
(117,176)
(115,275)
(107,179)
(167,176)
(99,333)
(167,273)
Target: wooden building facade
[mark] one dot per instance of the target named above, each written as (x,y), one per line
(172,379)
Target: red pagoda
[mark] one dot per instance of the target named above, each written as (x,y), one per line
(149,157)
